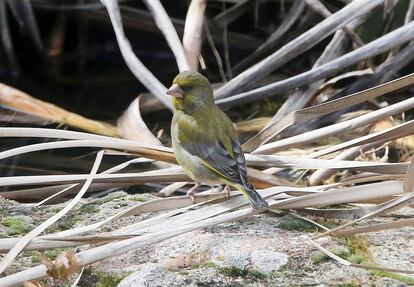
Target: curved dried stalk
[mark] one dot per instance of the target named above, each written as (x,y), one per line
(12,254)
(256,160)
(132,127)
(321,9)
(338,127)
(133,63)
(302,96)
(165,25)
(321,174)
(307,40)
(110,170)
(292,16)
(18,100)
(376,47)
(162,175)
(303,115)
(376,138)
(213,215)
(133,147)
(375,228)
(193,32)
(394,204)
(348,263)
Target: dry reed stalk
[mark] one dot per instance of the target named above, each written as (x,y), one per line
(193,32)
(131,126)
(385,43)
(249,78)
(20,245)
(165,25)
(134,64)
(20,101)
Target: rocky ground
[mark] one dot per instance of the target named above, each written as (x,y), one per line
(265,250)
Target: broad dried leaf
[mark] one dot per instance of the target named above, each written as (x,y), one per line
(131,126)
(193,32)
(20,101)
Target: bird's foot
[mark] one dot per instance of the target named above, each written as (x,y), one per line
(190,192)
(227,190)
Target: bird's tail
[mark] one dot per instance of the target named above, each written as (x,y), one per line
(253,196)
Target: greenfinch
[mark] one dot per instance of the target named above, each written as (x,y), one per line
(204,141)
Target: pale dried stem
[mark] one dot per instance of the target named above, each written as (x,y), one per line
(321,174)
(338,127)
(18,100)
(302,96)
(21,244)
(376,47)
(307,40)
(165,25)
(134,64)
(193,32)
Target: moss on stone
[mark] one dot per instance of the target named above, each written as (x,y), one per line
(208,264)
(141,197)
(111,197)
(292,223)
(66,222)
(89,208)
(318,256)
(360,253)
(109,279)
(232,271)
(35,256)
(356,258)
(308,283)
(359,246)
(409,280)
(348,284)
(204,264)
(53,253)
(183,272)
(341,251)
(17,225)
(256,274)
(235,272)
(106,228)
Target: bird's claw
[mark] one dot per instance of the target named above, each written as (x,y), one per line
(190,193)
(227,190)
(192,198)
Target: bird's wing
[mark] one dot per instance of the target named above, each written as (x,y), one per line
(215,156)
(219,150)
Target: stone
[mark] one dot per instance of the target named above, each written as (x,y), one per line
(152,275)
(267,260)
(236,258)
(262,260)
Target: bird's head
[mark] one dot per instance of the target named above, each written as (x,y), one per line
(190,92)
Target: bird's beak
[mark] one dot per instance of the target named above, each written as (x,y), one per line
(175,91)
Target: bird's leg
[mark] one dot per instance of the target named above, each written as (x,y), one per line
(190,192)
(227,190)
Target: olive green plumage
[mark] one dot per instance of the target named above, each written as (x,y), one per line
(203,138)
